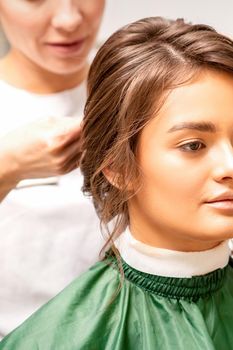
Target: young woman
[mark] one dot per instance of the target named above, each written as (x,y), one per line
(49,231)
(163,170)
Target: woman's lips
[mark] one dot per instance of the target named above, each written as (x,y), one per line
(225,205)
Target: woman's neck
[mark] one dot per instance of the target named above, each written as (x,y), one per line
(24,74)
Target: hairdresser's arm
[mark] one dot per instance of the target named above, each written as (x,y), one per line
(8,176)
(47,147)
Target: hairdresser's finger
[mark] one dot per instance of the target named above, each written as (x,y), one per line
(73,150)
(65,132)
(74,135)
(71,154)
(73,163)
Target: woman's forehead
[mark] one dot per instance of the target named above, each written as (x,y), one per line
(198,105)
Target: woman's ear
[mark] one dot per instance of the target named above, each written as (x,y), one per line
(116,180)
(112,177)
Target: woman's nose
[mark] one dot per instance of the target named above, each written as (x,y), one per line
(223,169)
(67,16)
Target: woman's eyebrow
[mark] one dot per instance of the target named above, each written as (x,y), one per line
(199,126)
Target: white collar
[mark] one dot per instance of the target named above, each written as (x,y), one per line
(170,263)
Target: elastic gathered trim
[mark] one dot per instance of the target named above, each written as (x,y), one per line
(173,287)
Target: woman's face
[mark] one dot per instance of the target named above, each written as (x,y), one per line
(56,35)
(186,157)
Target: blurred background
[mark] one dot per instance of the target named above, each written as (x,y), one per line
(213,12)
(119,12)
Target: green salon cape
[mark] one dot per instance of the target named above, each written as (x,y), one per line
(147,313)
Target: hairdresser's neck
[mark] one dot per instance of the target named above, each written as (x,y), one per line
(22,73)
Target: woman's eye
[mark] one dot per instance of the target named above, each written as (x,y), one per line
(193,146)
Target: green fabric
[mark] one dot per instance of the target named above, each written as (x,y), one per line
(148,312)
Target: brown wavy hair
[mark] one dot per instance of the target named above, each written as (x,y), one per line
(129,80)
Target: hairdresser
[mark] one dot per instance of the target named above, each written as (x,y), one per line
(49,231)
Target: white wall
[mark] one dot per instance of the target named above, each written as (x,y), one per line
(218,13)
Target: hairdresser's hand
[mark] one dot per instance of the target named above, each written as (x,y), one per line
(44,148)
